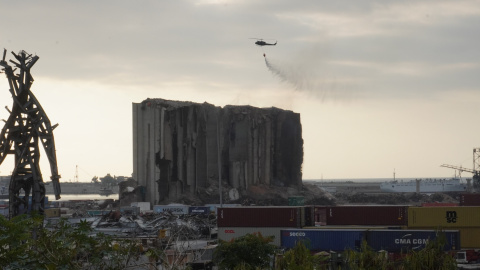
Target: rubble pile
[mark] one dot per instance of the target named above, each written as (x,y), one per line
(148,225)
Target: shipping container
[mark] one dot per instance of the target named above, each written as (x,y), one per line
(469,236)
(52,212)
(289,217)
(199,210)
(404,240)
(339,240)
(470,199)
(229,233)
(460,216)
(309,215)
(144,206)
(323,240)
(354,227)
(320,214)
(366,215)
(174,209)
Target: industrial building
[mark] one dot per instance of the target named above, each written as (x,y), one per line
(180,147)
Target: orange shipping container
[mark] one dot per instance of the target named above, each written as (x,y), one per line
(461,216)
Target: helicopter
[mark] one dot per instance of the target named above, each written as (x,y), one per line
(260,42)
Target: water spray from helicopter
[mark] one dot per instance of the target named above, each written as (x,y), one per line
(304,74)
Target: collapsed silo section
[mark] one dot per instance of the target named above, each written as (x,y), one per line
(180,147)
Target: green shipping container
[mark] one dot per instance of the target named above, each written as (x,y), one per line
(445,217)
(296,201)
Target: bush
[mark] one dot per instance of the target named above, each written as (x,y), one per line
(26,244)
(251,251)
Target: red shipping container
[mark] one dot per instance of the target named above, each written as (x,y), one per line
(320,216)
(470,199)
(367,215)
(260,217)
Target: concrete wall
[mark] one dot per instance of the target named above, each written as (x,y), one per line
(177,145)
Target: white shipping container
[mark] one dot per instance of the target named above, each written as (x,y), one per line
(144,206)
(228,233)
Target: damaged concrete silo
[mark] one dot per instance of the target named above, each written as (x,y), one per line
(177,145)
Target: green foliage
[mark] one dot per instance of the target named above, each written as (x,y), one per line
(15,240)
(64,247)
(431,257)
(252,251)
(300,258)
(367,259)
(108,180)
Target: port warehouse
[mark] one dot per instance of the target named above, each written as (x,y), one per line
(320,226)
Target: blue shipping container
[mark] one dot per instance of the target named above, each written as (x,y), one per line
(388,240)
(199,210)
(398,240)
(323,240)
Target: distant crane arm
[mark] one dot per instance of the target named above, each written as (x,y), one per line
(459,168)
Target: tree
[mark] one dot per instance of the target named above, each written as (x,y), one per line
(95,180)
(25,244)
(432,256)
(252,251)
(16,240)
(300,258)
(367,259)
(108,180)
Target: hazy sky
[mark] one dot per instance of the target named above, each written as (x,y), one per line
(380,85)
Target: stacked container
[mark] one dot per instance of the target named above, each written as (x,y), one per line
(470,199)
(465,219)
(323,240)
(234,222)
(392,241)
(273,216)
(402,240)
(362,215)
